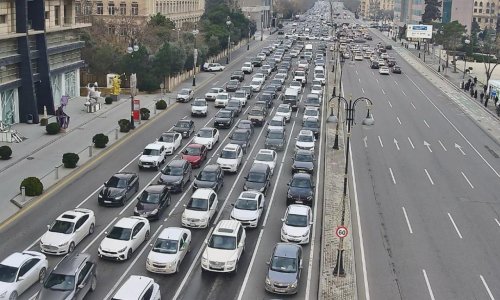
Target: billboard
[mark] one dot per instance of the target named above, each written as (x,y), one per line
(419,31)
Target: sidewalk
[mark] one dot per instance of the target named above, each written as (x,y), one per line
(40,154)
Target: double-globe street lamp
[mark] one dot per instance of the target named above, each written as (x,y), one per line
(467,42)
(368,121)
(228,23)
(342,61)
(261,26)
(195,55)
(132,47)
(248,41)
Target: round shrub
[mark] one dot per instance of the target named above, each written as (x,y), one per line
(70,160)
(33,186)
(108,100)
(124,125)
(5,152)
(145,113)
(100,140)
(53,128)
(161,104)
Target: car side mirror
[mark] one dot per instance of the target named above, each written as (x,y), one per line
(268,262)
(282,219)
(185,205)
(21,278)
(105,183)
(232,204)
(310,223)
(48,226)
(105,233)
(150,245)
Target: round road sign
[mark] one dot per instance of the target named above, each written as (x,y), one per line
(341,231)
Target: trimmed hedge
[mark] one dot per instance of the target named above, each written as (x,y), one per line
(70,160)
(161,104)
(100,140)
(145,113)
(5,152)
(53,128)
(108,100)
(124,125)
(33,186)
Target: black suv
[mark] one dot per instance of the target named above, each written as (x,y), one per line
(275,139)
(212,176)
(176,174)
(241,137)
(258,178)
(118,189)
(239,75)
(224,119)
(184,127)
(312,124)
(300,190)
(303,161)
(152,202)
(72,278)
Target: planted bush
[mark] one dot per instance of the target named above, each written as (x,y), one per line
(161,104)
(53,128)
(100,140)
(5,152)
(108,100)
(145,113)
(124,125)
(33,186)
(70,160)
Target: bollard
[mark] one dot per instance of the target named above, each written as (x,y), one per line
(56,173)
(90,151)
(116,134)
(23,193)
(154,109)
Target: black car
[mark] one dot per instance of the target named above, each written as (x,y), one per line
(303,161)
(152,202)
(396,69)
(388,47)
(212,176)
(374,65)
(258,178)
(176,174)
(273,65)
(234,106)
(242,138)
(247,125)
(312,124)
(249,91)
(232,85)
(300,189)
(185,127)
(256,62)
(391,62)
(238,75)
(312,100)
(277,84)
(270,89)
(224,119)
(267,98)
(118,189)
(275,139)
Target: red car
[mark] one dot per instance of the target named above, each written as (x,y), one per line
(195,154)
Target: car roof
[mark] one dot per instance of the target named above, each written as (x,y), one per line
(227,227)
(278,118)
(134,287)
(303,152)
(128,222)
(17,259)
(153,146)
(184,121)
(202,193)
(252,195)
(171,233)
(207,129)
(231,147)
(276,129)
(177,163)
(306,132)
(125,175)
(286,250)
(74,214)
(194,145)
(155,188)
(211,168)
(302,175)
(70,263)
(259,167)
(266,151)
(298,209)
(240,130)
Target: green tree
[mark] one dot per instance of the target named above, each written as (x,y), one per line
(451,37)
(432,11)
(139,62)
(489,50)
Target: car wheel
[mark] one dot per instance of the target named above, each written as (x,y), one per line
(93,283)
(177,267)
(71,247)
(129,253)
(13,296)
(146,236)
(91,229)
(235,271)
(41,274)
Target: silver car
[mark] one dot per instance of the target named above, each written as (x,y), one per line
(285,266)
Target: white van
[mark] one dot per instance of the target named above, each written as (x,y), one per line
(319,70)
(292,98)
(308,47)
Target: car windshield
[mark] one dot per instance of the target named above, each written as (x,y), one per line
(116,182)
(224,114)
(198,204)
(239,95)
(284,264)
(246,204)
(275,135)
(243,125)
(283,109)
(233,82)
(228,154)
(182,125)
(264,157)
(173,171)
(310,124)
(184,92)
(150,198)
(311,113)
(233,104)
(300,183)
(320,76)
(276,81)
(256,177)
(205,133)
(300,73)
(119,233)
(62,227)
(303,157)
(295,84)
(239,136)
(255,82)
(214,90)
(276,123)
(165,246)
(296,220)
(192,151)
(152,152)
(60,282)
(200,103)
(222,242)
(222,97)
(7,273)
(167,138)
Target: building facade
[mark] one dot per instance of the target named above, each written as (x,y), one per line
(485,13)
(39,57)
(375,9)
(458,10)
(408,11)
(259,11)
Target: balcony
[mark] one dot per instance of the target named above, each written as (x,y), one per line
(68,23)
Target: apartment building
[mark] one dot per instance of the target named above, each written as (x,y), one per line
(458,10)
(408,11)
(373,8)
(259,11)
(39,57)
(485,13)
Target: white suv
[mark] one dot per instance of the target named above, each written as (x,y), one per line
(200,209)
(199,107)
(224,247)
(153,156)
(222,99)
(139,287)
(305,140)
(230,158)
(247,68)
(240,95)
(213,92)
(297,224)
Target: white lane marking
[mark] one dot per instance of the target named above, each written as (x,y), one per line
(383,92)
(360,232)
(444,148)
(411,144)
(376,80)
(247,275)
(365,140)
(359,79)
(428,285)
(426,124)
(390,104)
(396,82)
(396,143)
(380,140)
(392,176)
(399,121)
(356,72)
(429,176)
(215,82)
(373,73)
(403,92)
(426,144)
(457,146)
(363,90)
(486,287)
(412,104)
(498,223)
(407,220)
(456,129)
(138,255)
(97,236)
(468,181)
(455,225)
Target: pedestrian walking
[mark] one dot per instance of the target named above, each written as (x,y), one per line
(481,97)
(485,88)
(475,80)
(471,92)
(475,94)
(498,109)
(467,85)
(486,98)
(496,100)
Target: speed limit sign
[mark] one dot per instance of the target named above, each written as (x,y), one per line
(341,231)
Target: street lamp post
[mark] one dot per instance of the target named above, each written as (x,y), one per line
(132,47)
(195,55)
(467,42)
(350,113)
(248,41)
(228,23)
(336,141)
(261,26)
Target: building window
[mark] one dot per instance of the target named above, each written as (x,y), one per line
(3,19)
(111,29)
(475,10)
(111,8)
(475,3)
(57,14)
(479,20)
(481,4)
(123,8)
(47,15)
(135,9)
(487,4)
(480,10)
(487,10)
(491,20)
(492,5)
(87,9)
(78,9)
(474,19)
(123,30)
(99,8)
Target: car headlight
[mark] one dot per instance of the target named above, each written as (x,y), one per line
(305,234)
(148,262)
(293,285)
(232,262)
(2,295)
(178,182)
(118,197)
(268,281)
(123,249)
(99,196)
(63,244)
(136,210)
(173,263)
(309,198)
(155,211)
(203,220)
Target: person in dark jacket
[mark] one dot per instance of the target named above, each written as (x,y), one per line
(481,97)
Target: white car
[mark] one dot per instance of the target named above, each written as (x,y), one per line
(320,77)
(240,95)
(67,231)
(260,77)
(277,58)
(297,224)
(296,85)
(224,247)
(305,140)
(169,250)
(170,140)
(207,136)
(256,85)
(19,271)
(124,238)
(384,55)
(303,64)
(221,99)
(213,92)
(248,208)
(185,95)
(262,56)
(213,67)
(268,157)
(300,76)
(230,158)
(277,122)
(284,110)
(138,288)
(310,112)
(247,68)
(383,70)
(358,56)
(152,156)
(200,209)
(317,89)
(199,107)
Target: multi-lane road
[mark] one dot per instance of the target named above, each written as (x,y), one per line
(190,283)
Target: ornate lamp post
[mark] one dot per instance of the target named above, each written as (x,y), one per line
(228,23)
(248,41)
(132,47)
(261,26)
(195,54)
(336,141)
(467,42)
